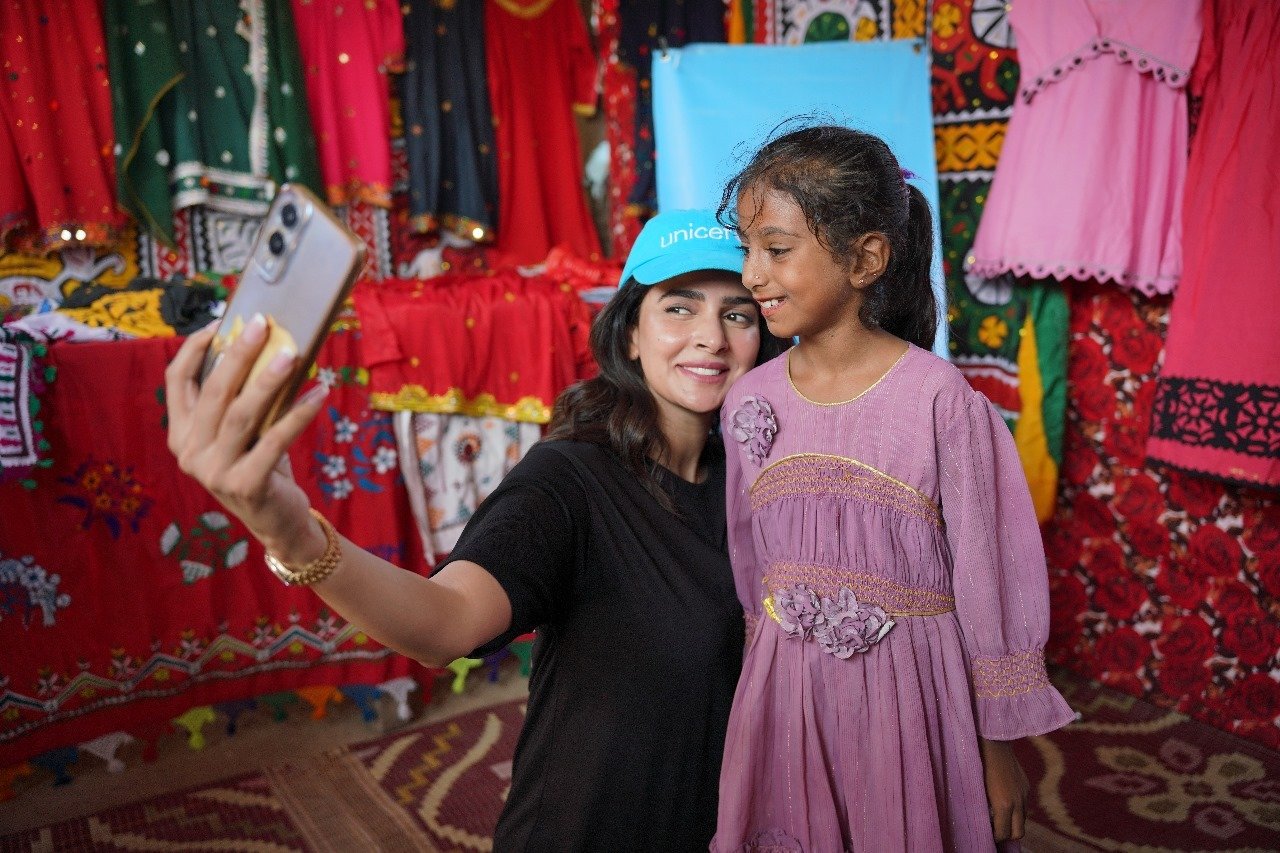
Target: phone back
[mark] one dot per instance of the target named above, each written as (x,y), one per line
(303,265)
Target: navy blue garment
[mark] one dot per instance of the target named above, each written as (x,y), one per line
(453,171)
(643,23)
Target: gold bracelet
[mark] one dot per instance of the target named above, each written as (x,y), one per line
(319,568)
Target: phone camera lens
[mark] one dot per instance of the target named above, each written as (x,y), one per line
(289,215)
(276,243)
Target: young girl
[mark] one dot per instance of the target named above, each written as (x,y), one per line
(881,531)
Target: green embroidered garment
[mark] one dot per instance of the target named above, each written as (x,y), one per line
(209,107)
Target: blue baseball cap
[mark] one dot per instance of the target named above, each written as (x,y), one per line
(679,241)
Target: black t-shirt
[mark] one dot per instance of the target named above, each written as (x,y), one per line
(639,647)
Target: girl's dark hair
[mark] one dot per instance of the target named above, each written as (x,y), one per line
(616,408)
(848,183)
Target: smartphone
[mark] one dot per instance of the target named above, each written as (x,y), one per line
(303,265)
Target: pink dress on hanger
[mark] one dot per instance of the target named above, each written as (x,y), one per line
(1090,179)
(1217,404)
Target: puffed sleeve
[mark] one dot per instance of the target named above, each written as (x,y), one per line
(742,553)
(527,535)
(1000,581)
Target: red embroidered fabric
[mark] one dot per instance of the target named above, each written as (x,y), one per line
(540,198)
(145,598)
(1217,408)
(56,136)
(347,50)
(619,83)
(488,343)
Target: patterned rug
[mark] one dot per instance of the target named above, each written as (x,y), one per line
(1128,776)
(435,788)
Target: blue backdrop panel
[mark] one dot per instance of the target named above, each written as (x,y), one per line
(714,104)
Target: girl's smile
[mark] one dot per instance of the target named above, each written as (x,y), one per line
(799,286)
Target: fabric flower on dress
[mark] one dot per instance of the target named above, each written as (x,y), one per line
(799,611)
(771,841)
(754,425)
(849,626)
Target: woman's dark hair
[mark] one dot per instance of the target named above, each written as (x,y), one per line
(848,183)
(616,409)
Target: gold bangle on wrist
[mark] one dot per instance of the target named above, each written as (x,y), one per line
(319,568)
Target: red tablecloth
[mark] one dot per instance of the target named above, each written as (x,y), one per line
(127,597)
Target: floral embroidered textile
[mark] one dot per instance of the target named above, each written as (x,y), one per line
(842,626)
(755,425)
(108,492)
(26,587)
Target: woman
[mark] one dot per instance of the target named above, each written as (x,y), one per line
(609,538)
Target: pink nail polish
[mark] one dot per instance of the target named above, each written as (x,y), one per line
(282,361)
(317,392)
(255,330)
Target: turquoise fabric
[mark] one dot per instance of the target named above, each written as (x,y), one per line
(714,104)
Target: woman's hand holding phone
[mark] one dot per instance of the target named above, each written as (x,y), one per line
(213,433)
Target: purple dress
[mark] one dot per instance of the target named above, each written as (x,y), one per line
(888,559)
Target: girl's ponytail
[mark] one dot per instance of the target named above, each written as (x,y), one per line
(909,308)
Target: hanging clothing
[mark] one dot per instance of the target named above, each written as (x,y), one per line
(449,136)
(1217,406)
(617,94)
(1042,392)
(645,25)
(486,344)
(1089,184)
(907,503)
(540,194)
(146,65)
(56,139)
(227,95)
(347,50)
(244,85)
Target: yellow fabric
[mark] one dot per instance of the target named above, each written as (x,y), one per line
(1029,435)
(136,312)
(415,398)
(908,19)
(25,279)
(968,145)
(737,29)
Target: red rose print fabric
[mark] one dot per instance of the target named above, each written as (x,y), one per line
(1163,585)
